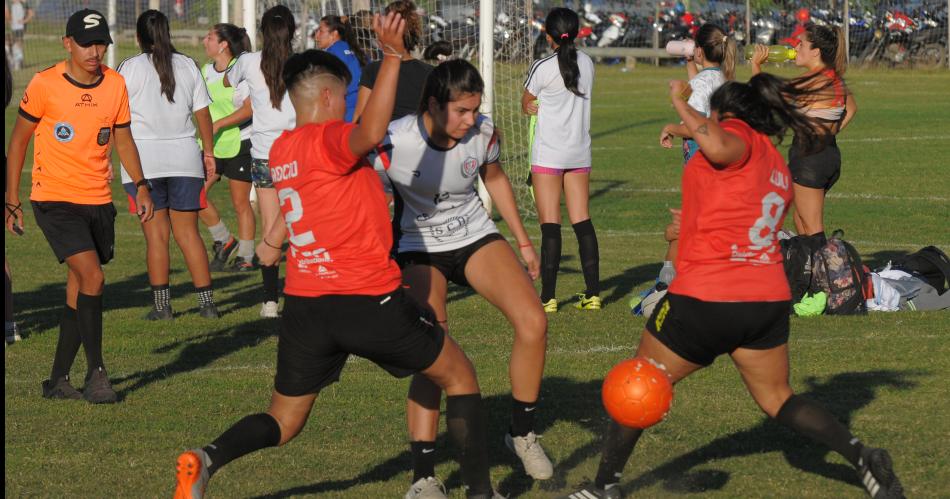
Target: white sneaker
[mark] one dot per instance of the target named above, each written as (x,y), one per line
(269,310)
(528,449)
(427,488)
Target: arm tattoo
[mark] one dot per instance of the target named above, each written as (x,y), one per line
(702,129)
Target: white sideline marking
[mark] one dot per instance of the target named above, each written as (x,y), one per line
(833,195)
(843,140)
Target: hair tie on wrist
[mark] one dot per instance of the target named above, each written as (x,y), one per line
(526,245)
(269,244)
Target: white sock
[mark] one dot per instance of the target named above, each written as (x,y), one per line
(245,249)
(219,232)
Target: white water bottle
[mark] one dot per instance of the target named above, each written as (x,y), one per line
(681,48)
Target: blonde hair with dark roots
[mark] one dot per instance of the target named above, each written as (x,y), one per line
(407,9)
(830,43)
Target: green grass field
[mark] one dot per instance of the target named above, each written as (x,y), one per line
(183,383)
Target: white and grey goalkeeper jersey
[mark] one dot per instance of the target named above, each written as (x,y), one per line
(437,207)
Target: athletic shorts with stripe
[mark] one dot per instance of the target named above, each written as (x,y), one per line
(699,331)
(73,228)
(318,334)
(236,168)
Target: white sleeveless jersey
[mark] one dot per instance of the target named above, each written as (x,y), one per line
(437,207)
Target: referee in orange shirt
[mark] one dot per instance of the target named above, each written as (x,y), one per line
(73,109)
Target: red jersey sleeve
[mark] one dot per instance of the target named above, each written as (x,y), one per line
(335,144)
(745,133)
(33,103)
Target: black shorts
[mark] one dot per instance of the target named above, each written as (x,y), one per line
(450,263)
(818,170)
(236,168)
(318,334)
(73,228)
(699,331)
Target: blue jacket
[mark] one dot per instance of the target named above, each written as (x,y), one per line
(343,52)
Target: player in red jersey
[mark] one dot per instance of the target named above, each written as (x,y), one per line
(730,294)
(343,289)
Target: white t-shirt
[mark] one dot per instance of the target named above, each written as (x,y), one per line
(17,15)
(268,123)
(241,93)
(163,131)
(704,84)
(437,203)
(562,136)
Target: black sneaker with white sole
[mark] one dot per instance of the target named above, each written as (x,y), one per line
(209,311)
(876,474)
(164,314)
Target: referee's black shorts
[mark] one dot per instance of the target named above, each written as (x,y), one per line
(74,228)
(318,335)
(699,331)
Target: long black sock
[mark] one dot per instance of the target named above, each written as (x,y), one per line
(270,275)
(590,256)
(89,316)
(7,298)
(618,445)
(816,241)
(466,425)
(68,345)
(815,422)
(522,417)
(550,259)
(252,433)
(423,460)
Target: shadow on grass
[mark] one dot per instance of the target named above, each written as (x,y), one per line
(563,399)
(615,288)
(579,402)
(198,352)
(879,259)
(843,395)
(40,309)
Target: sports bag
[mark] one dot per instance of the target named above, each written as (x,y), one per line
(797,258)
(930,264)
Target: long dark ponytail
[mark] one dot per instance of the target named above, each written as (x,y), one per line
(562,25)
(277,30)
(155,40)
(237,39)
(767,104)
(450,80)
(342,26)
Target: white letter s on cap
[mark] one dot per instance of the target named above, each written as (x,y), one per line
(92,20)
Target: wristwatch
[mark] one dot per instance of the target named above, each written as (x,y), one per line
(143,182)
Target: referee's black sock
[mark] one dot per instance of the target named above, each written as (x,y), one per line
(522,417)
(68,345)
(466,425)
(550,259)
(618,445)
(423,460)
(252,433)
(590,256)
(270,276)
(815,422)
(89,315)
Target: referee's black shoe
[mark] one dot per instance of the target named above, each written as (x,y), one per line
(876,473)
(98,389)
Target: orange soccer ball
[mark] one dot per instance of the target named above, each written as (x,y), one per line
(636,393)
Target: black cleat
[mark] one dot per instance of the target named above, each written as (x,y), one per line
(876,473)
(222,253)
(612,491)
(241,264)
(98,389)
(209,311)
(164,314)
(61,390)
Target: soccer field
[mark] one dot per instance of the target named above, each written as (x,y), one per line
(182,383)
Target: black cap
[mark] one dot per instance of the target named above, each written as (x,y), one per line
(88,26)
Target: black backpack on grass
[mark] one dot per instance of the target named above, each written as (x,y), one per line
(930,264)
(797,256)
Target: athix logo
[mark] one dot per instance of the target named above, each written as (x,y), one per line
(92,20)
(85,100)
